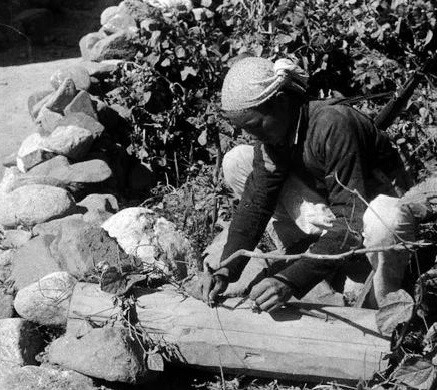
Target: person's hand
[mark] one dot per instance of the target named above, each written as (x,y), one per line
(211,286)
(270,294)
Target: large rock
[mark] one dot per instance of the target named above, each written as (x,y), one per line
(107,353)
(32,152)
(77,73)
(119,21)
(15,238)
(62,97)
(81,103)
(87,43)
(81,246)
(20,342)
(70,141)
(79,177)
(116,46)
(47,167)
(43,378)
(36,101)
(84,121)
(32,204)
(47,121)
(46,301)
(53,228)
(33,261)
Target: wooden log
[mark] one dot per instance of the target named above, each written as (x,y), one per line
(302,342)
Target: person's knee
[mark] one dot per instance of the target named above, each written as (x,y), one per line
(237,166)
(387,220)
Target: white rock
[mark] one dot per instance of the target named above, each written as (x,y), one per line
(107,14)
(32,204)
(31,153)
(47,301)
(129,226)
(20,342)
(70,141)
(170,4)
(9,178)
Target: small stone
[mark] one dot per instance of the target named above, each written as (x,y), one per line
(99,207)
(34,100)
(33,158)
(6,258)
(6,306)
(107,353)
(176,247)
(53,228)
(47,120)
(47,301)
(44,378)
(91,171)
(47,167)
(16,238)
(107,14)
(33,261)
(70,141)
(77,73)
(119,22)
(20,342)
(81,103)
(9,178)
(32,152)
(87,43)
(62,97)
(105,202)
(32,204)
(84,121)
(116,46)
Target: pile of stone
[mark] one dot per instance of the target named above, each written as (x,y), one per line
(60,223)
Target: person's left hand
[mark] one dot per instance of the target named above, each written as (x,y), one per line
(270,294)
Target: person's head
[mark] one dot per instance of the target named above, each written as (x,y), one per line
(263,97)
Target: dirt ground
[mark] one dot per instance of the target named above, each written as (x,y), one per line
(21,74)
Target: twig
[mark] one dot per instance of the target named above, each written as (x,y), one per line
(309,255)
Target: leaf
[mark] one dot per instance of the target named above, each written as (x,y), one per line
(202,139)
(187,71)
(155,362)
(166,63)
(396,308)
(416,372)
(429,36)
(283,39)
(112,281)
(180,52)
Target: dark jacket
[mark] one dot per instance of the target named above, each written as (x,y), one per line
(337,148)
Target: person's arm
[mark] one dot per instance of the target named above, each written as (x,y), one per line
(258,202)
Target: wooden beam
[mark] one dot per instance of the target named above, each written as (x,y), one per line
(302,342)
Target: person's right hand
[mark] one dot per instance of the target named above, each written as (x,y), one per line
(212,286)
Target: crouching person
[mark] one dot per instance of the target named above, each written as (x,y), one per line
(300,181)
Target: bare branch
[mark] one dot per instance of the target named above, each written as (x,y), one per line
(309,255)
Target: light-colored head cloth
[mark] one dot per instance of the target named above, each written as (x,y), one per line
(253,80)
